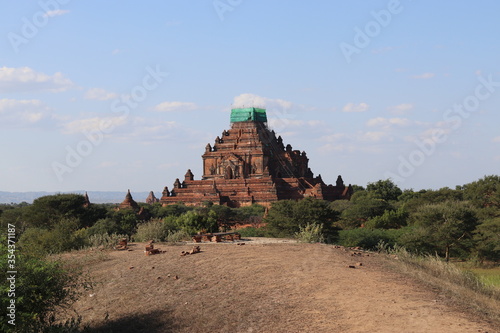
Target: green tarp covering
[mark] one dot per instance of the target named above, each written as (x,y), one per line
(248,114)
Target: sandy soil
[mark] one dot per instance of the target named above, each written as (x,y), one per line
(261,287)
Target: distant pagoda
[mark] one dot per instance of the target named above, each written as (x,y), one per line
(249,164)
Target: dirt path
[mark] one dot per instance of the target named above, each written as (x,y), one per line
(261,288)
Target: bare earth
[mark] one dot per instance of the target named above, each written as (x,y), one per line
(260,287)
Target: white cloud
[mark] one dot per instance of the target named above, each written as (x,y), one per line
(388,122)
(337,137)
(375,136)
(351,107)
(24,79)
(252,100)
(22,112)
(57,12)
(175,106)
(102,124)
(100,94)
(400,108)
(424,76)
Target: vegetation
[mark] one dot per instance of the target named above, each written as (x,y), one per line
(461,223)
(41,287)
(463,287)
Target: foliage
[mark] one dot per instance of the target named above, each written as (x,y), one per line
(175,236)
(384,189)
(126,220)
(104,226)
(48,210)
(484,192)
(105,241)
(286,217)
(63,237)
(364,206)
(153,230)
(444,226)
(310,233)
(487,238)
(369,238)
(193,222)
(391,219)
(252,232)
(41,288)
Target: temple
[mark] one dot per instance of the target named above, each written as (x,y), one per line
(248,164)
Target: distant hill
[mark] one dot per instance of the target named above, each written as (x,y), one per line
(94,196)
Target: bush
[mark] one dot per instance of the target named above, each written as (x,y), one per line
(310,233)
(42,287)
(252,232)
(391,219)
(40,241)
(104,226)
(106,241)
(369,238)
(154,230)
(178,236)
(286,217)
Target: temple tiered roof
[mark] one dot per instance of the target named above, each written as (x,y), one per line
(249,164)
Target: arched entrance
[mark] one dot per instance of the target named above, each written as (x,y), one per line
(229,173)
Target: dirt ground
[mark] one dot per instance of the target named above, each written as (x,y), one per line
(260,287)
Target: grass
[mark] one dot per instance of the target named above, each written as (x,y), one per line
(489,276)
(467,288)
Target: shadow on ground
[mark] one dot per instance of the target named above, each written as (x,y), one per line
(153,322)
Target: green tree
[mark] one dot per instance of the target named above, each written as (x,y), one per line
(391,219)
(444,226)
(384,189)
(484,192)
(39,242)
(48,210)
(364,206)
(41,287)
(487,238)
(287,217)
(193,222)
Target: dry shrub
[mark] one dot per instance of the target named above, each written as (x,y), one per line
(463,288)
(105,241)
(310,233)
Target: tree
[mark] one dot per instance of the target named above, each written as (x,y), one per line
(39,242)
(384,189)
(444,226)
(484,192)
(391,219)
(286,217)
(193,222)
(41,287)
(48,210)
(487,238)
(364,206)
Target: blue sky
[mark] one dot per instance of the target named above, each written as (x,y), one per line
(122,94)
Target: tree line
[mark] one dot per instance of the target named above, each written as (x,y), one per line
(459,223)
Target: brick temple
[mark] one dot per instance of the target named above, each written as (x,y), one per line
(248,164)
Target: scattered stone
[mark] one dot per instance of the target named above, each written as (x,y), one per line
(195,249)
(351,266)
(131,267)
(176,277)
(359,264)
(240,244)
